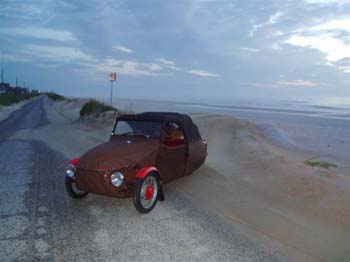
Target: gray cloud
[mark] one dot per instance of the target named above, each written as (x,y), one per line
(123,49)
(244,48)
(38,32)
(273,19)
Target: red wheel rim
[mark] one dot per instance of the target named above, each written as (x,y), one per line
(149,192)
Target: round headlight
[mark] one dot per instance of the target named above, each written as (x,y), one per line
(70,171)
(117,179)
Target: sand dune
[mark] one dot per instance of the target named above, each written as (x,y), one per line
(251,181)
(247,179)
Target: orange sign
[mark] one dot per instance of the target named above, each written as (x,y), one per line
(112,76)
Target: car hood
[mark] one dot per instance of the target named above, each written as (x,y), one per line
(119,152)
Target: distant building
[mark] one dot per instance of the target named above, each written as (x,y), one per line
(35,92)
(19,91)
(5,88)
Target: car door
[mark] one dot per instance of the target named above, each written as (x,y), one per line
(196,157)
(172,152)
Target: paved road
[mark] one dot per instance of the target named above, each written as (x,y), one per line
(39,222)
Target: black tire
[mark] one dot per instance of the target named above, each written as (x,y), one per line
(70,187)
(137,197)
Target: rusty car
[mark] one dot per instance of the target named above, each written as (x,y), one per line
(145,151)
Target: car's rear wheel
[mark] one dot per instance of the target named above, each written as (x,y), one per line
(146,192)
(72,189)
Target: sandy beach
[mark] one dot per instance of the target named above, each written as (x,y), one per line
(247,179)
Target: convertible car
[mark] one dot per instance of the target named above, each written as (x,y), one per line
(144,152)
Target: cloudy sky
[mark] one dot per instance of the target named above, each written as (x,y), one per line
(191,50)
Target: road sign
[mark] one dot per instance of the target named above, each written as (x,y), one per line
(112,76)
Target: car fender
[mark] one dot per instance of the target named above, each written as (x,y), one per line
(143,172)
(74,161)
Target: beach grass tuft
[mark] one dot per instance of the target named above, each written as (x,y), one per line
(94,106)
(56,97)
(6,99)
(316,163)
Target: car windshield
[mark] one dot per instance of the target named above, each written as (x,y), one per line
(138,128)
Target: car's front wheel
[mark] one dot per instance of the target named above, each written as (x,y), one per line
(72,189)
(146,192)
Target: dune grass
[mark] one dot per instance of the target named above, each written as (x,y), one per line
(6,100)
(316,163)
(56,97)
(94,106)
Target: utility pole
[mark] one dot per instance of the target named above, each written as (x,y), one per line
(112,78)
(16,81)
(2,65)
(111,92)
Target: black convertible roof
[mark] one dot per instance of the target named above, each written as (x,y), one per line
(190,128)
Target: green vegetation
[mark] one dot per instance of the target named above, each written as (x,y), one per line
(315,163)
(6,99)
(56,97)
(94,106)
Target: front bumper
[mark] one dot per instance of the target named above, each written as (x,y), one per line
(99,182)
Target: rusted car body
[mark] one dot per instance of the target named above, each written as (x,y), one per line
(144,152)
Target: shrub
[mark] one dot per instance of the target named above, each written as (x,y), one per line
(324,164)
(56,97)
(94,106)
(6,99)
